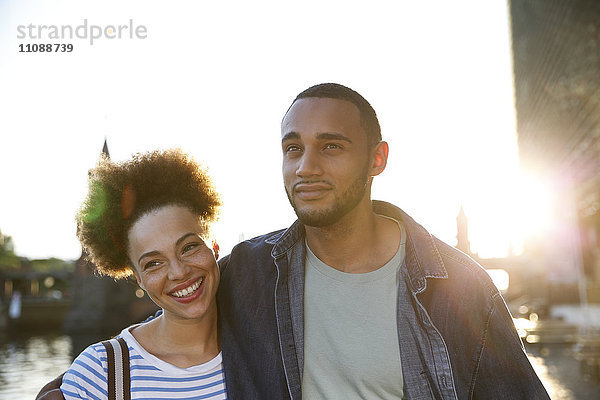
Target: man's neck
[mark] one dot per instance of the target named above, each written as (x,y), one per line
(360,242)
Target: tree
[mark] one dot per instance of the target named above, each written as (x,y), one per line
(8,259)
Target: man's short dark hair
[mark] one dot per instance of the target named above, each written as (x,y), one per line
(368,117)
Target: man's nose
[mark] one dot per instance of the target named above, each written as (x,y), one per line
(309,164)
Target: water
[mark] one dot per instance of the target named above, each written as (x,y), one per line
(561,374)
(30,360)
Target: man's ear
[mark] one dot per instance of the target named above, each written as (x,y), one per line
(379,155)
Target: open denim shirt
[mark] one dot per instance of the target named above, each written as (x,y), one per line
(456,336)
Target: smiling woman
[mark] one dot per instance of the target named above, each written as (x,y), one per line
(150,217)
(176,267)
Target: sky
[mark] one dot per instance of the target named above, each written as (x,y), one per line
(215,78)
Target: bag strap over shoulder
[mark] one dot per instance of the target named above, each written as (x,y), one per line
(117,354)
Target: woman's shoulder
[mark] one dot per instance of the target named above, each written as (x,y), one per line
(86,377)
(94,355)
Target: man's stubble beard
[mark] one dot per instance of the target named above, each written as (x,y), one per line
(342,205)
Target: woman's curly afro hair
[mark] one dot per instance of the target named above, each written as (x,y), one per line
(120,193)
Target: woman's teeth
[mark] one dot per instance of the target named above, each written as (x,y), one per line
(189,290)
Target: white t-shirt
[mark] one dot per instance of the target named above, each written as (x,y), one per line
(351,348)
(151,378)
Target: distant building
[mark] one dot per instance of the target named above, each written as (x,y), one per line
(462,232)
(556,57)
(510,274)
(41,293)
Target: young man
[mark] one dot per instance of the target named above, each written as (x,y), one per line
(356,300)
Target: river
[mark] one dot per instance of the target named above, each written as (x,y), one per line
(28,360)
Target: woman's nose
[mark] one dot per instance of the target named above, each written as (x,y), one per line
(177,270)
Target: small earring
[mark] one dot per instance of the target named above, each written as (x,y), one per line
(215,247)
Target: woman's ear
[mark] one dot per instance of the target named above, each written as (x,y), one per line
(215,247)
(137,278)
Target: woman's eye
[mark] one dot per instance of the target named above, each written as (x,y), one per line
(188,247)
(151,264)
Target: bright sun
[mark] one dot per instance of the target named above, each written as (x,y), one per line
(520,210)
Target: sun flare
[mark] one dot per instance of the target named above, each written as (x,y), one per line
(521,209)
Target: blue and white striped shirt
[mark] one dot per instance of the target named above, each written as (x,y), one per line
(151,378)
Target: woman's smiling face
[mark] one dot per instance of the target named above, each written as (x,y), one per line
(173,263)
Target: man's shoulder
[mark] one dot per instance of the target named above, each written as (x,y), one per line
(268,239)
(252,250)
(464,269)
(259,243)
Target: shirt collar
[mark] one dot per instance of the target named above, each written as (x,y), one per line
(423,259)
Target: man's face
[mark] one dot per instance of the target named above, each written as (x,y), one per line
(325,159)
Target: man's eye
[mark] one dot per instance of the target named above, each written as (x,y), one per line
(332,146)
(292,148)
